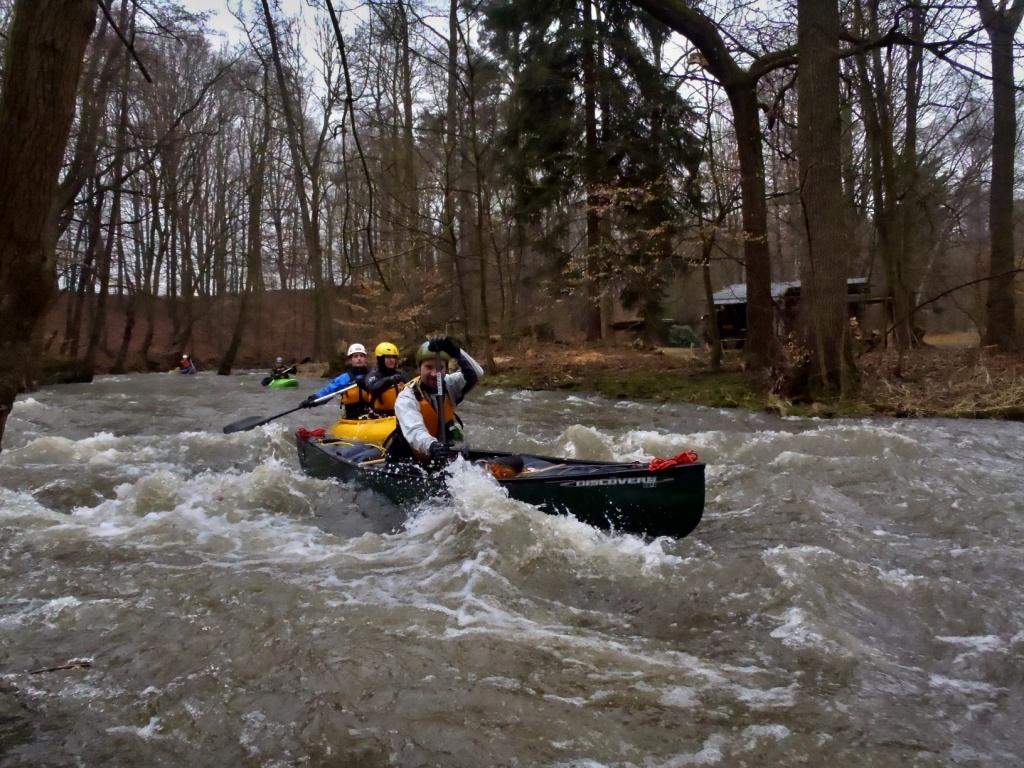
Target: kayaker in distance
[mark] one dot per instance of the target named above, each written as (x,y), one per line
(280,376)
(185,365)
(419,427)
(385,381)
(355,402)
(280,371)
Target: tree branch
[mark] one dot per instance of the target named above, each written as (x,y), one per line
(124,41)
(350,108)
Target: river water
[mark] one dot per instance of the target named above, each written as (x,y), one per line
(852,596)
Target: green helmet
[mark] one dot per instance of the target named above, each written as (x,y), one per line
(424,352)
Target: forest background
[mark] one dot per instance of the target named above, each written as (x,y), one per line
(510,170)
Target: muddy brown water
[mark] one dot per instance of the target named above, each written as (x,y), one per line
(852,596)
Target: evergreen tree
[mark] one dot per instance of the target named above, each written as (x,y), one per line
(630,172)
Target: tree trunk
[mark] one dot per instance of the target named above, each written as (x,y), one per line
(412,200)
(761,345)
(592,271)
(1001,25)
(310,225)
(45,46)
(762,348)
(450,235)
(99,320)
(254,236)
(823,272)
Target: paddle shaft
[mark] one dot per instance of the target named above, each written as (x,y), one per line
(243,425)
(442,428)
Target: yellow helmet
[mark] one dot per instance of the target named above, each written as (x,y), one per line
(385,348)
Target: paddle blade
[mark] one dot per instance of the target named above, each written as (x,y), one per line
(267,380)
(243,424)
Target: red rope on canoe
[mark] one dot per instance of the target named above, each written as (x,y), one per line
(305,434)
(686,457)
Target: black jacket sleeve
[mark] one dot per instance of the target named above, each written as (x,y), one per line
(376,382)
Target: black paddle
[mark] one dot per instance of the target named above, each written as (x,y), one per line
(243,425)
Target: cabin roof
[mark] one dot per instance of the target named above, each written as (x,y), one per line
(737,292)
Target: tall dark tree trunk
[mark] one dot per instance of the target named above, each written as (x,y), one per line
(254,235)
(819,133)
(892,179)
(86,276)
(158,233)
(451,143)
(99,322)
(762,348)
(414,224)
(592,164)
(1001,24)
(45,46)
(309,213)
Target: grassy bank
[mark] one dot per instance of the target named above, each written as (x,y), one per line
(939,381)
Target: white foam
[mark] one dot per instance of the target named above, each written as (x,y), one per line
(581,442)
(966,687)
(978,643)
(755,733)
(22,507)
(148,732)
(899,577)
(798,632)
(709,754)
(770,698)
(29,404)
(46,611)
(680,696)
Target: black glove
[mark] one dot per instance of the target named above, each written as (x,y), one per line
(439,452)
(309,402)
(444,344)
(395,379)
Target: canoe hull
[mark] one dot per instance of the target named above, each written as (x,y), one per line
(609,495)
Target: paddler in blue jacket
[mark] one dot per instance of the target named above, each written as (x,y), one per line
(419,434)
(356,402)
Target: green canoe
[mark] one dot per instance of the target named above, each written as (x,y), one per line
(633,497)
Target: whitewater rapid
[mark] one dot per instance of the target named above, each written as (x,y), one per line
(851,596)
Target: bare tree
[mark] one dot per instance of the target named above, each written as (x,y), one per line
(823,272)
(43,63)
(740,85)
(1001,22)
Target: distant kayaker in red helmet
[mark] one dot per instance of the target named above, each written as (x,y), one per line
(355,401)
(427,428)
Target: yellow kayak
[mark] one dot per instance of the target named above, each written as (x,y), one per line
(373,431)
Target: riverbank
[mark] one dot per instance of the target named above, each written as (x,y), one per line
(942,379)
(949,377)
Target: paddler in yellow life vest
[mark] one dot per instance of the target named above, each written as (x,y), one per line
(384,382)
(419,428)
(355,401)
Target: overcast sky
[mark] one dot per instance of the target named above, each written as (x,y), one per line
(221,19)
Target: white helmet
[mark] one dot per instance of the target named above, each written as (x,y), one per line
(355,349)
(279,361)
